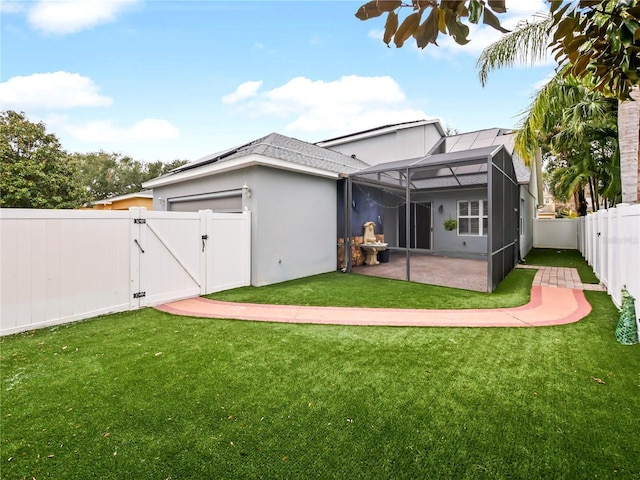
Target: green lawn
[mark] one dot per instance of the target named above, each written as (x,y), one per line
(147,395)
(553,257)
(351,290)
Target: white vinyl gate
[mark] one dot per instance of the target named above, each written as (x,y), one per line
(186,254)
(58,266)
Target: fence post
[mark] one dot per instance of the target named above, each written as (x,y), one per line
(603,236)
(248,247)
(588,239)
(134,255)
(612,243)
(205,217)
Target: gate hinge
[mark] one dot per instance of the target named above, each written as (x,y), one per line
(139,294)
(140,220)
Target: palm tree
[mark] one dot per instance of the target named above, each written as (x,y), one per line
(567,118)
(629,138)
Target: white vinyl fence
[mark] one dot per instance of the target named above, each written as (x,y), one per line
(610,241)
(555,233)
(57,266)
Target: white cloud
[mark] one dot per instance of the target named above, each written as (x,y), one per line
(51,91)
(105,131)
(244,91)
(153,129)
(62,17)
(347,104)
(11,6)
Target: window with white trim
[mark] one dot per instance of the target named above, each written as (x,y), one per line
(473,217)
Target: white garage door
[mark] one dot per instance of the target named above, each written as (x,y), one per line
(223,202)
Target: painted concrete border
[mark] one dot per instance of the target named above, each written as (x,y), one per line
(548,306)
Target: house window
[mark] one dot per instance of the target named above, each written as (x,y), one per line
(473,217)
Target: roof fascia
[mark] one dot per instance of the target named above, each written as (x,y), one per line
(237,164)
(109,201)
(377,133)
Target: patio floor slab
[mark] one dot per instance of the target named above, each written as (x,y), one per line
(548,305)
(465,273)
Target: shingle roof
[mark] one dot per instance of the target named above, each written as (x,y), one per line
(288,149)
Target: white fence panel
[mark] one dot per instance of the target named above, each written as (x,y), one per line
(630,230)
(61,266)
(555,233)
(590,240)
(615,265)
(57,266)
(230,244)
(611,246)
(603,245)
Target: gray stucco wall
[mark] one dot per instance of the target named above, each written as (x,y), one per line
(402,144)
(214,183)
(450,242)
(528,215)
(443,242)
(294,225)
(293,219)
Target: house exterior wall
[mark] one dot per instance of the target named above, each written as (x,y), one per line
(293,221)
(529,196)
(215,183)
(528,214)
(398,145)
(125,204)
(294,230)
(449,242)
(443,242)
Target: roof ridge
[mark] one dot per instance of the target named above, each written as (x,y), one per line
(374,129)
(280,147)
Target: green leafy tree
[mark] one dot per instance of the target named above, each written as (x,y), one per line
(107,175)
(569,118)
(429,18)
(600,38)
(597,40)
(35,172)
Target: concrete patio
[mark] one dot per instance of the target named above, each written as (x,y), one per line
(465,273)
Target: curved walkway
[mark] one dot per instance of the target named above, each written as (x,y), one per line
(552,303)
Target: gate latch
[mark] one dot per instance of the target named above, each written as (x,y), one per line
(204,238)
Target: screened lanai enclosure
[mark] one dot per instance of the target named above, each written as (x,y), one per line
(448,218)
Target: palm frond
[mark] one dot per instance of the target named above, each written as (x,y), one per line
(527,44)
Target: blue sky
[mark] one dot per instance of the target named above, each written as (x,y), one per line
(160,80)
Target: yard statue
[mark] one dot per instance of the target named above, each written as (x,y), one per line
(627,329)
